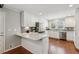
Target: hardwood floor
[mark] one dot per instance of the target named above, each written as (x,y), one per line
(55,47)
(61,47)
(19,50)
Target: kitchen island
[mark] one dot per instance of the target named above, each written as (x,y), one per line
(36,43)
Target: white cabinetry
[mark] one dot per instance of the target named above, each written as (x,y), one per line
(28,19)
(38,46)
(70,35)
(53,34)
(70,21)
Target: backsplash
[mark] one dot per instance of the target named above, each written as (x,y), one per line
(69,28)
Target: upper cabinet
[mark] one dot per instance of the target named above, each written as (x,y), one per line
(70,21)
(56,23)
(28,19)
(60,23)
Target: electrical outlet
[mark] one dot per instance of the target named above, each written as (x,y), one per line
(10,46)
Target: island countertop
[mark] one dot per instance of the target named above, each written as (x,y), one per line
(32,35)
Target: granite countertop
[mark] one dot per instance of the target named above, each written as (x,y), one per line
(32,35)
(61,30)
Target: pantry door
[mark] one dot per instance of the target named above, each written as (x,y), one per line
(2,18)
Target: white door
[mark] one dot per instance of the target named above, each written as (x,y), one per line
(2,17)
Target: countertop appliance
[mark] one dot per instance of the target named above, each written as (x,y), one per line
(39,27)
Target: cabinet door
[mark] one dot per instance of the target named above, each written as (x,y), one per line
(71,36)
(53,34)
(50,33)
(28,19)
(70,21)
(56,35)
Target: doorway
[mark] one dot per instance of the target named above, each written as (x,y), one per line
(2,36)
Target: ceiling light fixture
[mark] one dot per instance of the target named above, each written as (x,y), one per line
(71,5)
(40,13)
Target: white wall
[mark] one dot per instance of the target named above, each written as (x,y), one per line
(12,25)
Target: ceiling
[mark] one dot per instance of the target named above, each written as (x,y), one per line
(41,8)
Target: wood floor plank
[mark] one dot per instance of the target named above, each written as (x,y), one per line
(19,50)
(61,47)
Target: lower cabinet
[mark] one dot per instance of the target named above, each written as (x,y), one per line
(53,34)
(32,46)
(70,35)
(36,46)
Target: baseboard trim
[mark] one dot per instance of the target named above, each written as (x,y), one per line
(53,38)
(11,49)
(70,40)
(59,39)
(76,48)
(28,50)
(17,50)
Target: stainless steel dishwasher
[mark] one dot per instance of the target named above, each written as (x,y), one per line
(62,36)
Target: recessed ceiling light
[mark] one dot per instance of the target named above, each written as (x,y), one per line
(71,5)
(40,13)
